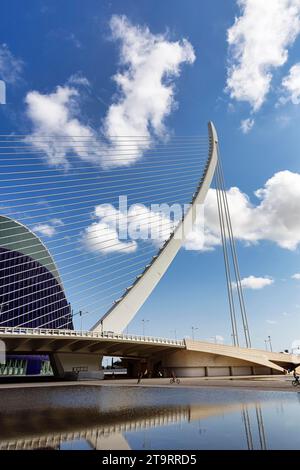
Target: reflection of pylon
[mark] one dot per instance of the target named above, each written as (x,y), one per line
(246,420)
(261,428)
(260,424)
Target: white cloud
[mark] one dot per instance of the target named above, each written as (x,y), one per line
(255,283)
(48,229)
(116,230)
(149,64)
(79,79)
(272,322)
(102,236)
(57,222)
(291,85)
(10,67)
(296,276)
(258,43)
(219,339)
(56,131)
(275,218)
(295,346)
(246,125)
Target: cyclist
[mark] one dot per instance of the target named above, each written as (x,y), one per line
(296,377)
(174,378)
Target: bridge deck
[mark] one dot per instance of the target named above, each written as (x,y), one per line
(34,340)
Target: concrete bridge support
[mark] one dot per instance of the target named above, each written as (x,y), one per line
(77,366)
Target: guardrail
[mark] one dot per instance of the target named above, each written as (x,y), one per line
(87,334)
(225,348)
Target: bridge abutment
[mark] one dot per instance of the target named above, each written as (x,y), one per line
(77,366)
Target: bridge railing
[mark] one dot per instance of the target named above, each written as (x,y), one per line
(88,334)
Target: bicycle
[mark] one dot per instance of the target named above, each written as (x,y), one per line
(296,381)
(173,380)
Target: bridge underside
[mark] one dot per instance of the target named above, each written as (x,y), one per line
(84,354)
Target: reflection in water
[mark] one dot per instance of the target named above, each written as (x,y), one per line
(261,428)
(84,417)
(249,424)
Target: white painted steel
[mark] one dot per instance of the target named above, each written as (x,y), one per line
(124,310)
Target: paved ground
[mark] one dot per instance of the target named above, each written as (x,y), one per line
(271,383)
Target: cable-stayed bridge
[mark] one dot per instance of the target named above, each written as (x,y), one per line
(69,254)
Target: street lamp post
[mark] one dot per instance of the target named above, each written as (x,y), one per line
(193,332)
(144,321)
(175,334)
(266,345)
(81,313)
(269,338)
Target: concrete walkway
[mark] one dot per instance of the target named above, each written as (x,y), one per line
(271,383)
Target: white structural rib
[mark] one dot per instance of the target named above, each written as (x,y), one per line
(123,311)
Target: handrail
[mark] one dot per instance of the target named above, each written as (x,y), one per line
(88,334)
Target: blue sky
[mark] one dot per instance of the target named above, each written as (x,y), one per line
(49,42)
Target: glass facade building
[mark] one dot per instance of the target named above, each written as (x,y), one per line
(31,291)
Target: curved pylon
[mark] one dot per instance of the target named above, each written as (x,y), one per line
(123,311)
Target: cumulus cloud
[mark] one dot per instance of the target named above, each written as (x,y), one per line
(146,92)
(219,339)
(246,125)
(119,230)
(255,283)
(296,276)
(291,86)
(48,229)
(276,217)
(10,67)
(258,43)
(101,237)
(56,131)
(148,65)
(295,346)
